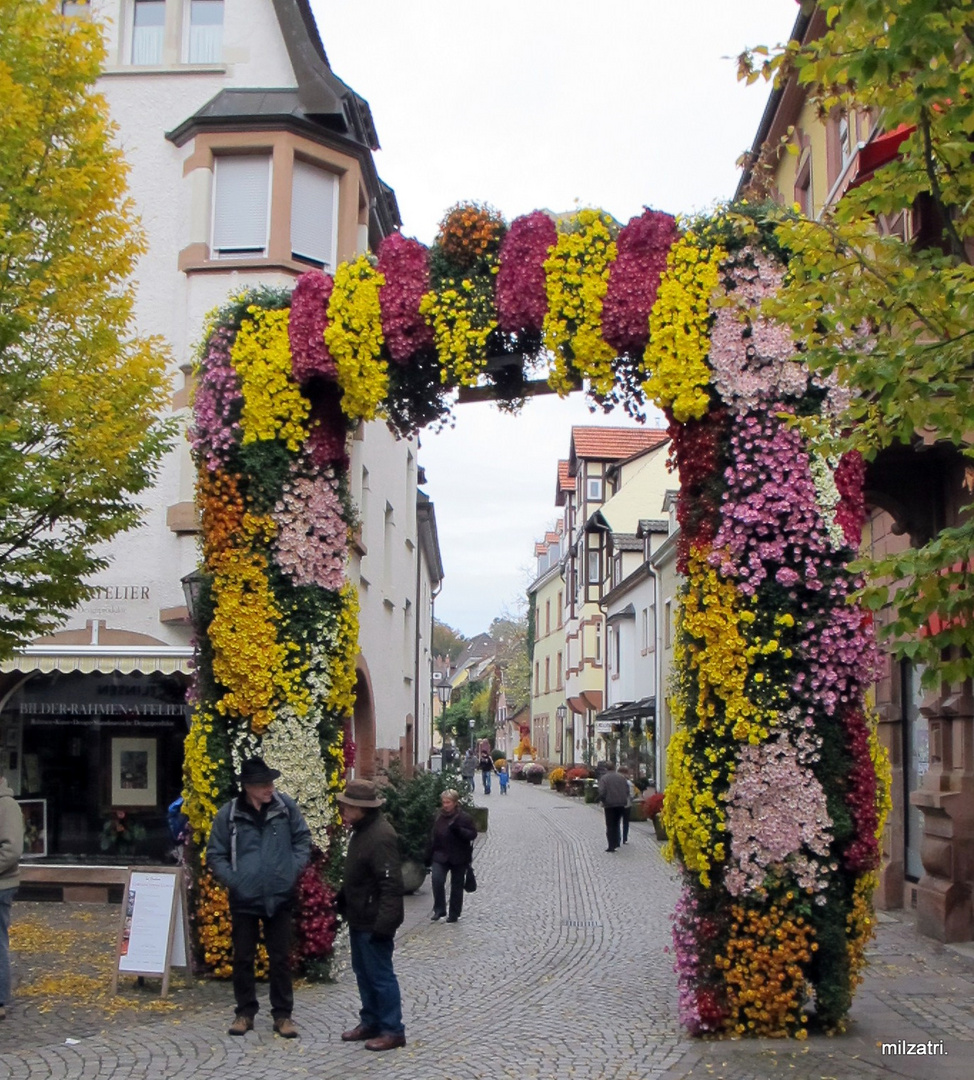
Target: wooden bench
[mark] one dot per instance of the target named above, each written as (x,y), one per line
(82,884)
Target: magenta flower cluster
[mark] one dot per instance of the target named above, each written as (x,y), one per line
(850,478)
(770,520)
(777,816)
(306,327)
(840,653)
(521,297)
(312,535)
(634,277)
(695,937)
(217,401)
(404,263)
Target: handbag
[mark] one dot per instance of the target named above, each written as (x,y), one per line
(469,880)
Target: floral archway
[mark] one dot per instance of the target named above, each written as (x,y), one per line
(778,788)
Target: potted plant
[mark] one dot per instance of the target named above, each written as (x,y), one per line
(534,772)
(575,779)
(556,778)
(653,805)
(411,807)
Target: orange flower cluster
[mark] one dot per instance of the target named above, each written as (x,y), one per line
(859,926)
(213,929)
(470,232)
(222,509)
(764,962)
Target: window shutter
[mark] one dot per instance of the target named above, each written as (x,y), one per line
(314,210)
(240,202)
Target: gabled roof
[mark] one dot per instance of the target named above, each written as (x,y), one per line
(565,483)
(611,443)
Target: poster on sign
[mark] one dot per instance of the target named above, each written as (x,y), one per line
(154,934)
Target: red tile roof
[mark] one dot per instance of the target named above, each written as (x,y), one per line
(614,443)
(565,481)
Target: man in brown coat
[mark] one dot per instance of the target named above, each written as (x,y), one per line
(371,902)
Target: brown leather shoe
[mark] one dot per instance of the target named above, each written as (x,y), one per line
(285,1028)
(241,1025)
(360,1033)
(386,1042)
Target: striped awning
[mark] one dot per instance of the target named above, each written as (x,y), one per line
(166,660)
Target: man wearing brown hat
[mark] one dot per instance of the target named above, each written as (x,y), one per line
(371,903)
(258,846)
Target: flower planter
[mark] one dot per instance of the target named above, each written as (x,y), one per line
(659,827)
(535,778)
(413,875)
(479,815)
(638,811)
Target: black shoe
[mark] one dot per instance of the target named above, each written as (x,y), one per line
(610,849)
(436,917)
(453,918)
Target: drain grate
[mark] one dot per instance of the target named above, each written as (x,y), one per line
(581,922)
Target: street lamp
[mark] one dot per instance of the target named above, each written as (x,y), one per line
(471,732)
(443,692)
(192,585)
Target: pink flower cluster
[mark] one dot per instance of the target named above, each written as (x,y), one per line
(521,297)
(327,429)
(777,816)
(753,358)
(770,520)
(840,653)
(634,277)
(306,327)
(217,399)
(405,265)
(312,536)
(694,942)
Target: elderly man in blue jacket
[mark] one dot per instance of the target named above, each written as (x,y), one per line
(258,846)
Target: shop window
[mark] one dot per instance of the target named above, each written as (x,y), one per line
(314,211)
(241,197)
(148,31)
(205,44)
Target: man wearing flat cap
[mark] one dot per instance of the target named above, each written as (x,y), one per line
(258,846)
(371,903)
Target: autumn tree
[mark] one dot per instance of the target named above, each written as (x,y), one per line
(80,392)
(895,320)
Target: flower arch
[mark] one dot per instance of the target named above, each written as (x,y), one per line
(778,787)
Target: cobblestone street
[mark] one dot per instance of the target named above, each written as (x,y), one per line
(557,969)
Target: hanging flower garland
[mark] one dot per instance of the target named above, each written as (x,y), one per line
(354,338)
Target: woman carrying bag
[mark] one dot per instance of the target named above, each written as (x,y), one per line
(451,851)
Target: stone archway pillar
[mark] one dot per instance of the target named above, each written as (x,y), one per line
(946,797)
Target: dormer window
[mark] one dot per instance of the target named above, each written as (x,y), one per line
(241,206)
(205,45)
(148,32)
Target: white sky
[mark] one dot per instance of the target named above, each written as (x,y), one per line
(530,104)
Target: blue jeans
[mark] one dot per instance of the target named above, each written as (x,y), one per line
(486,779)
(6,902)
(378,986)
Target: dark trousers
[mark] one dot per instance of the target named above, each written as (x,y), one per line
(613,822)
(438,881)
(277,938)
(378,986)
(626,815)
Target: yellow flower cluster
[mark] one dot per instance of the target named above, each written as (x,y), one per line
(213,929)
(341,695)
(879,756)
(248,658)
(273,406)
(859,926)
(679,330)
(200,792)
(354,338)
(576,281)
(692,813)
(462,318)
(764,964)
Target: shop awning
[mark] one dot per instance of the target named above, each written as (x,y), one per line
(624,711)
(166,660)
(879,152)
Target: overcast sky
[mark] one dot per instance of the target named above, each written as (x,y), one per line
(530,104)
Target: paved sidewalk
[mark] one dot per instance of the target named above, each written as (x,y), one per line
(557,969)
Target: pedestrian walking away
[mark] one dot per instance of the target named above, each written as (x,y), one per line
(486,768)
(11,848)
(450,852)
(370,900)
(627,809)
(613,795)
(468,769)
(258,846)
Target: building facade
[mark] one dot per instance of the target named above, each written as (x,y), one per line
(250,163)
(550,732)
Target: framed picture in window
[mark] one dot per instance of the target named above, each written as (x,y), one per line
(35,827)
(134,772)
